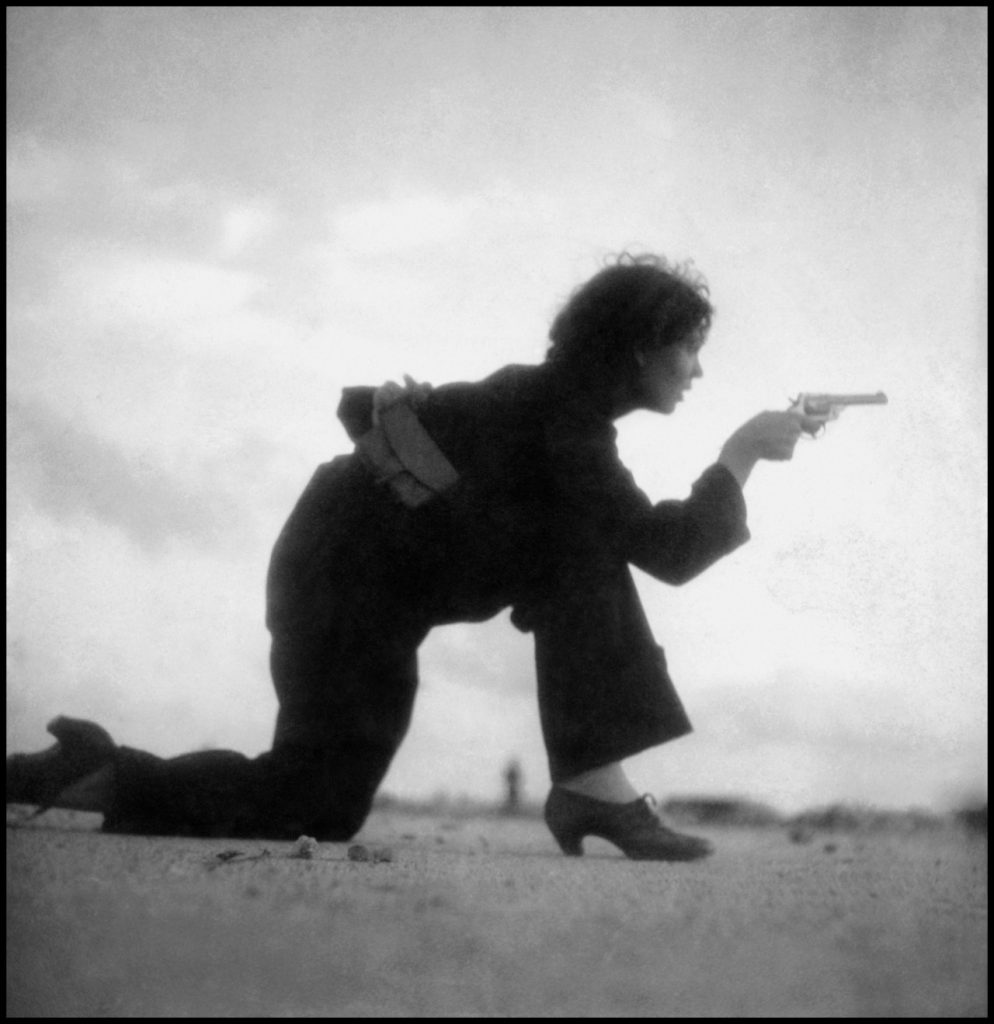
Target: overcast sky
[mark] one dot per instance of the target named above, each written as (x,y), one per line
(219,217)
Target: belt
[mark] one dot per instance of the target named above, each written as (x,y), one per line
(402,454)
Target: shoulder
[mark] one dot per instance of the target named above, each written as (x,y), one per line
(515,381)
(512,392)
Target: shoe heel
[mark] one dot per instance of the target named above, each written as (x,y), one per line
(570,843)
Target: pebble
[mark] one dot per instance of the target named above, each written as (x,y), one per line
(305,848)
(376,854)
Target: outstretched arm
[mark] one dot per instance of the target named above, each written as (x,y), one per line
(604,514)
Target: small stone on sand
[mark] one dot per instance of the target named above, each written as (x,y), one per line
(375,854)
(305,848)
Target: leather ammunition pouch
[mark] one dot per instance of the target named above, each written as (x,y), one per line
(401,453)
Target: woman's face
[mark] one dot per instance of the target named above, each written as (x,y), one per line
(666,373)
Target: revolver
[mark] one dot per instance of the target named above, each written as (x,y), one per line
(826,408)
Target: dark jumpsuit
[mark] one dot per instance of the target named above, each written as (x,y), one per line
(544,519)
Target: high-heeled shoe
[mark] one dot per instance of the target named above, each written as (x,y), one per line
(82,749)
(635,827)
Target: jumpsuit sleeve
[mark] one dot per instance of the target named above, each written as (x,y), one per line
(678,540)
(605,514)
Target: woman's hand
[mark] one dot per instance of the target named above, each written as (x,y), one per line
(769,435)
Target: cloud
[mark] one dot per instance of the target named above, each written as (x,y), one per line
(241,226)
(68,472)
(157,290)
(491,656)
(831,713)
(402,225)
(84,197)
(36,172)
(646,114)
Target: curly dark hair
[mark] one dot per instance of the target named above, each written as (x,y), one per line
(637,303)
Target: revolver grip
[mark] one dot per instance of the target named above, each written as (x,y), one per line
(802,406)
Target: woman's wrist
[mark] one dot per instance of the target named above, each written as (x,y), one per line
(737,461)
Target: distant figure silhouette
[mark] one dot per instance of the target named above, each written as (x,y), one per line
(457,502)
(512,780)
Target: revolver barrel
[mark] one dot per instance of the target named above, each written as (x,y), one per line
(878,398)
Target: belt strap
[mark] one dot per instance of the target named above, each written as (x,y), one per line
(416,450)
(403,454)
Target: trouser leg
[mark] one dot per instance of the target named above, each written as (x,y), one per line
(344,710)
(345,631)
(343,714)
(208,793)
(603,686)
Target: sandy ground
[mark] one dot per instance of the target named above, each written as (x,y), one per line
(483,917)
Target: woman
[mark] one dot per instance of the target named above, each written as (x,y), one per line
(460,501)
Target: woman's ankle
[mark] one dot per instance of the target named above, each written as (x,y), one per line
(608,783)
